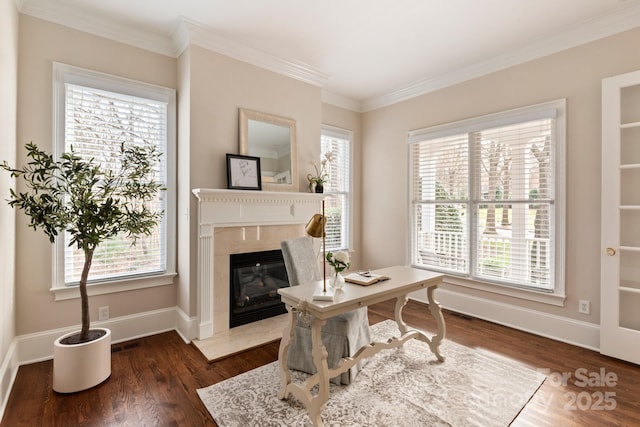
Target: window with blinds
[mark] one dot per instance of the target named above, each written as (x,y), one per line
(485,199)
(337,187)
(95,116)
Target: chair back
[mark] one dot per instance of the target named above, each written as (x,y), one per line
(300,260)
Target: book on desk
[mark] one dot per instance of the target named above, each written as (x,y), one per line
(365,278)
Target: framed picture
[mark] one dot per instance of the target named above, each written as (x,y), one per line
(243,172)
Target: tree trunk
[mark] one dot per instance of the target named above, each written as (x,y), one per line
(84,297)
(506,193)
(541,221)
(492,171)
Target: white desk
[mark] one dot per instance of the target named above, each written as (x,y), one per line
(298,299)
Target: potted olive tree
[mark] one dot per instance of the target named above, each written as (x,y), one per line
(92,203)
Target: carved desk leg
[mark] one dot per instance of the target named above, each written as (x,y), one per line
(283,351)
(320,360)
(401,301)
(434,308)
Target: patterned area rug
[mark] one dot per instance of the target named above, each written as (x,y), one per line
(405,386)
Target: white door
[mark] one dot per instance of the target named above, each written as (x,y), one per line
(620,278)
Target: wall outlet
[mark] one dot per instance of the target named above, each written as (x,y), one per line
(584,306)
(103,313)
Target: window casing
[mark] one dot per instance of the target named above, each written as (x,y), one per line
(95,113)
(487,198)
(337,187)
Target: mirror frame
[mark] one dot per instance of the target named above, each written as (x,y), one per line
(244,138)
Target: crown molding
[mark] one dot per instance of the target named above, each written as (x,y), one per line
(341,101)
(71,17)
(187,32)
(624,17)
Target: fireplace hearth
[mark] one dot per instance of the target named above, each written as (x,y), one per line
(255,278)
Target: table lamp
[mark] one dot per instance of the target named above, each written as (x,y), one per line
(315,228)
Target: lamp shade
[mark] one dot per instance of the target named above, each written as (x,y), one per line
(315,227)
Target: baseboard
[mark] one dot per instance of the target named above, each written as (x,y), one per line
(187,327)
(39,346)
(8,372)
(564,329)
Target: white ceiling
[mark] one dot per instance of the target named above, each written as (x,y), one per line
(364,53)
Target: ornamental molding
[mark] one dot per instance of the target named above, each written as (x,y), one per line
(237,208)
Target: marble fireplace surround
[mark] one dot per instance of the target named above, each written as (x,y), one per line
(236,221)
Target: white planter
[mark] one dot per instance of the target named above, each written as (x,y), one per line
(78,367)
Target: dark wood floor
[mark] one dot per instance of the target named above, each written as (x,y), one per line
(154,379)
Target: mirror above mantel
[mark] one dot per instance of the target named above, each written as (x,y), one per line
(273,139)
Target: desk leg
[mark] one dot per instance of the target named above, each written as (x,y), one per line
(434,308)
(401,301)
(320,360)
(283,352)
(436,312)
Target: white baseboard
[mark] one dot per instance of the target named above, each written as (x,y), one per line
(8,371)
(187,327)
(39,346)
(564,329)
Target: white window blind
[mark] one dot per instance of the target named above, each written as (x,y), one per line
(440,202)
(484,198)
(96,122)
(337,187)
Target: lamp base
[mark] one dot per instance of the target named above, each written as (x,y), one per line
(321,295)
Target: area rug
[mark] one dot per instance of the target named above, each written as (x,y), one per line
(405,386)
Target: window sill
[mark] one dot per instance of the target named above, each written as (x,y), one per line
(526,294)
(72,292)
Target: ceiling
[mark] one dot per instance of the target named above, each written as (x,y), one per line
(363,53)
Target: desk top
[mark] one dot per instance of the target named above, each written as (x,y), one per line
(402,280)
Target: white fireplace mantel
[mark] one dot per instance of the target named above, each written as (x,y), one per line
(233,208)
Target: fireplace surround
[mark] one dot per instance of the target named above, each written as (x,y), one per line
(233,222)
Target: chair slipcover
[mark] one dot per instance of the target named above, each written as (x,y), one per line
(342,335)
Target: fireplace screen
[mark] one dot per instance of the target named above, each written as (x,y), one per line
(255,280)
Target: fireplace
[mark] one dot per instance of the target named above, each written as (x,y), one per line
(254,280)
(240,221)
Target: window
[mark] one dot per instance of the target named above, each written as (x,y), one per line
(96,113)
(338,186)
(487,198)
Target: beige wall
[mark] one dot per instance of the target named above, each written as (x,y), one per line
(40,44)
(185,197)
(211,87)
(8,104)
(218,86)
(573,74)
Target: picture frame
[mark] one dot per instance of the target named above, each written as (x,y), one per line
(243,172)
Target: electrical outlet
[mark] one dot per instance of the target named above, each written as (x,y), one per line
(584,306)
(103,313)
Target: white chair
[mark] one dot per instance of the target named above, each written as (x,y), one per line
(342,335)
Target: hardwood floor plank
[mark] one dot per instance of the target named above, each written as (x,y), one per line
(154,379)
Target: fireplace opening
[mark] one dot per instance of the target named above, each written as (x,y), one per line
(255,279)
